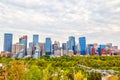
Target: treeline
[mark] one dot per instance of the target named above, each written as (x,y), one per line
(63,68)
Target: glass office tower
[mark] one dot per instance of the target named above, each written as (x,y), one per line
(23,41)
(48,46)
(71,44)
(82,44)
(90,46)
(8,42)
(102,46)
(35,39)
(64,46)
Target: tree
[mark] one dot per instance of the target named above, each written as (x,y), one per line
(34,73)
(94,76)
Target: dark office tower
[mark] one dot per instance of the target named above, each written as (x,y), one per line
(23,41)
(64,46)
(101,49)
(8,42)
(35,39)
(89,48)
(71,44)
(82,44)
(30,44)
(48,46)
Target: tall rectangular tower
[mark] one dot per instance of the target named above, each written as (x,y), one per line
(8,42)
(48,46)
(82,44)
(35,39)
(23,41)
(71,44)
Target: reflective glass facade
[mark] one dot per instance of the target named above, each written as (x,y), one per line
(82,44)
(90,46)
(48,46)
(8,42)
(64,46)
(100,48)
(71,44)
(23,41)
(35,39)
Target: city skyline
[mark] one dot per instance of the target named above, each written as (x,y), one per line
(97,20)
(30,40)
(24,40)
(37,49)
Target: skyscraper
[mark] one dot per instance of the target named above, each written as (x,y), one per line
(16,48)
(42,47)
(89,49)
(71,44)
(101,48)
(48,46)
(30,44)
(64,46)
(82,44)
(23,41)
(35,39)
(8,42)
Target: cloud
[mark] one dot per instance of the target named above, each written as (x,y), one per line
(62,18)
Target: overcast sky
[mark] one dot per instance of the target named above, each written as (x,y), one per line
(98,20)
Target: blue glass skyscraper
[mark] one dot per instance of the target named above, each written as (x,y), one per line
(64,46)
(90,46)
(101,47)
(30,44)
(23,41)
(48,46)
(8,42)
(71,44)
(82,44)
(35,39)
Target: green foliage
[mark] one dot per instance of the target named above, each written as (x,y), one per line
(34,73)
(63,68)
(94,76)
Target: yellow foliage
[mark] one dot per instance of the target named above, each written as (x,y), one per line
(16,70)
(79,76)
(112,78)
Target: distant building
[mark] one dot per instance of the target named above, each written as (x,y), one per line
(42,47)
(23,41)
(21,54)
(115,47)
(95,45)
(94,51)
(30,44)
(71,44)
(109,45)
(35,39)
(101,49)
(7,54)
(89,49)
(57,53)
(48,46)
(71,53)
(56,47)
(16,48)
(82,44)
(36,55)
(30,51)
(8,42)
(77,49)
(64,48)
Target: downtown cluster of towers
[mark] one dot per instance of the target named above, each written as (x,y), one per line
(37,49)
